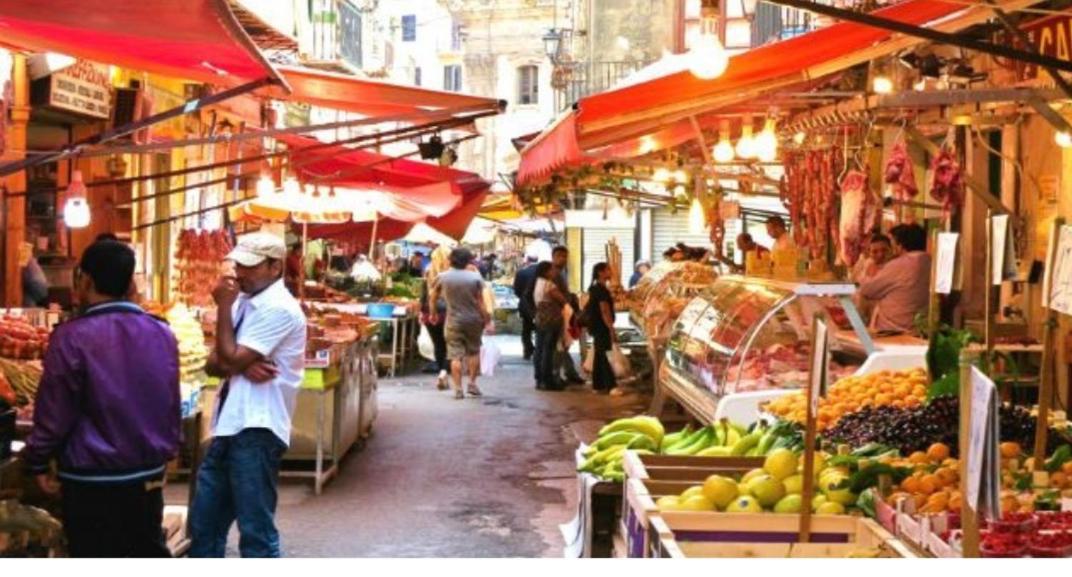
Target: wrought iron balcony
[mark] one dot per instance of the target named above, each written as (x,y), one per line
(575,80)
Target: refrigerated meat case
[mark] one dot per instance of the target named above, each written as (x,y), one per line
(744,340)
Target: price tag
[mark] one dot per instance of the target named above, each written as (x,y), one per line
(820,355)
(362,309)
(400,311)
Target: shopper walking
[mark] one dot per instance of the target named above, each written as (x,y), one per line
(526,309)
(467,315)
(564,365)
(599,313)
(260,354)
(111,418)
(440,263)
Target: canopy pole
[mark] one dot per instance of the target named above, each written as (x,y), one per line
(304,247)
(372,243)
(131,127)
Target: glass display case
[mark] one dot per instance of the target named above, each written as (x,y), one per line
(663,293)
(745,335)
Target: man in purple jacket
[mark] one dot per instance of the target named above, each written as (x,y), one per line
(108,410)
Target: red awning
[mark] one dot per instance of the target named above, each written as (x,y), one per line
(370,97)
(637,116)
(194,39)
(445,198)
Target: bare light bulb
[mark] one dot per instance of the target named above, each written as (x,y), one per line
(766,144)
(76,212)
(707,58)
(882,85)
(680,176)
(746,145)
(1063,139)
(697,221)
(661,175)
(723,151)
(799,138)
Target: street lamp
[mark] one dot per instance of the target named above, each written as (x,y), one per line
(552,44)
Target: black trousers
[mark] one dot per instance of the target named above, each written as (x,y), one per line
(528,327)
(114,520)
(602,373)
(439,343)
(544,360)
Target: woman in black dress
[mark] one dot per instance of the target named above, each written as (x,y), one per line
(599,312)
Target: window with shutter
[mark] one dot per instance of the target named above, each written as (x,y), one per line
(409,28)
(452,78)
(528,84)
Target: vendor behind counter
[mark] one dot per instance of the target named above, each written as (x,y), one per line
(900,290)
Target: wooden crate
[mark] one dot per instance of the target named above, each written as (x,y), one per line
(648,477)
(699,535)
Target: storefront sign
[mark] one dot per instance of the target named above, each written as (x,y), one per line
(1051,36)
(84,87)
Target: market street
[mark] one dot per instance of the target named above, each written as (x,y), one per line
(487,477)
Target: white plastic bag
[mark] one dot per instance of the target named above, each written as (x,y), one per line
(425,346)
(489,359)
(619,363)
(589,363)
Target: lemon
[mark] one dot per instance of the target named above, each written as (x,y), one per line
(692,492)
(789,504)
(720,490)
(794,485)
(780,463)
(696,503)
(751,475)
(840,496)
(668,503)
(830,508)
(744,504)
(817,501)
(766,490)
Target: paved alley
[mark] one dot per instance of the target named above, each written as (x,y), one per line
(483,477)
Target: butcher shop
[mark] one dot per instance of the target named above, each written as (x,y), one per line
(898,188)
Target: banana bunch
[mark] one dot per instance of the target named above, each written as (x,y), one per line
(603,458)
(727,439)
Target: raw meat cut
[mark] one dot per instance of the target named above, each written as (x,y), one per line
(900,175)
(857,216)
(947,182)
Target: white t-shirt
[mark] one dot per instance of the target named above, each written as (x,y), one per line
(540,291)
(273,324)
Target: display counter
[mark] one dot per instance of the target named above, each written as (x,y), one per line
(743,339)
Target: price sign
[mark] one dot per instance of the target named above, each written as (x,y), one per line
(819,363)
(1003,265)
(947,261)
(983,461)
(1059,273)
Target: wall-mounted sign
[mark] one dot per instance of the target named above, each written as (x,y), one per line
(84,88)
(1051,36)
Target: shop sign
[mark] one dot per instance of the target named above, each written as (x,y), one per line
(84,87)
(1051,36)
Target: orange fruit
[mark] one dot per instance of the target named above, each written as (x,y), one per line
(928,485)
(934,480)
(947,475)
(919,391)
(938,452)
(956,501)
(921,500)
(1067,468)
(919,457)
(911,484)
(1010,449)
(1059,480)
(883,399)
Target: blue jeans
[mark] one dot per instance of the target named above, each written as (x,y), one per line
(237,481)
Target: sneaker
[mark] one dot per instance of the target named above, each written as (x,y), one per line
(441,381)
(474,391)
(617,392)
(459,395)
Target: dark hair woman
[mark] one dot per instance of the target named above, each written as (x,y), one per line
(599,311)
(550,323)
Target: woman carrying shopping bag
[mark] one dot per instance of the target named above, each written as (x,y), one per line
(599,316)
(549,326)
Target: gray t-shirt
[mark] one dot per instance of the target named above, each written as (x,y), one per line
(462,290)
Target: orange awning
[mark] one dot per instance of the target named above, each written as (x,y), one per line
(194,39)
(372,97)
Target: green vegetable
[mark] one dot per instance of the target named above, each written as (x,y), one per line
(1059,457)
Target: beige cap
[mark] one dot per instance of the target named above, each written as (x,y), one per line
(254,248)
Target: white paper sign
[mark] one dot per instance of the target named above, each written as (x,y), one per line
(1002,257)
(982,463)
(1060,292)
(947,262)
(819,362)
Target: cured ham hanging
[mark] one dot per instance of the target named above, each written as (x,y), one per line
(200,262)
(809,190)
(857,217)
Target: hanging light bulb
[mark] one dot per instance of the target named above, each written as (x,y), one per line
(882,85)
(76,209)
(1063,139)
(661,175)
(723,151)
(766,144)
(680,176)
(707,57)
(265,185)
(291,186)
(697,220)
(799,138)
(746,145)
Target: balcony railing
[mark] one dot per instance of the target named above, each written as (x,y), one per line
(336,32)
(579,79)
(773,22)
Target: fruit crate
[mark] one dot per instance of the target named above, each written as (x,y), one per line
(678,534)
(648,477)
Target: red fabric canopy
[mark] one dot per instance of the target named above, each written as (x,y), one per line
(445,198)
(370,97)
(647,116)
(194,39)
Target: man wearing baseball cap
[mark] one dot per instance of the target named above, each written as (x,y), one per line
(260,358)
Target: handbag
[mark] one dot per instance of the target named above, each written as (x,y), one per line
(548,315)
